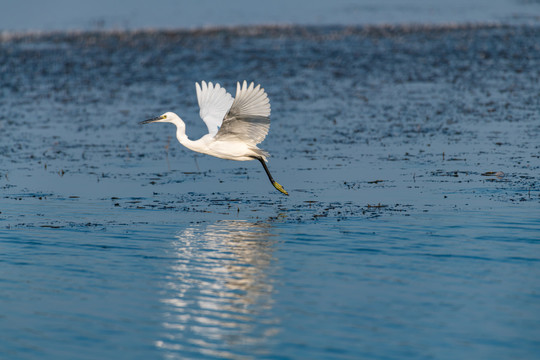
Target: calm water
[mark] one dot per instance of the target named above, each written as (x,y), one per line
(33,15)
(412,231)
(435,286)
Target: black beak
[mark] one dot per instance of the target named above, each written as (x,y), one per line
(151,120)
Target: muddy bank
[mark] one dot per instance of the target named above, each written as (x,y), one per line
(402,118)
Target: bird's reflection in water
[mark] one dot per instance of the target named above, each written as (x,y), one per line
(219,292)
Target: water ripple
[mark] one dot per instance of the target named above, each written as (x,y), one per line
(218,293)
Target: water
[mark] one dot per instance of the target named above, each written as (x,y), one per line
(32,15)
(410,153)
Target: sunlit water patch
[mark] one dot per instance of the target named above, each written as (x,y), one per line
(220,291)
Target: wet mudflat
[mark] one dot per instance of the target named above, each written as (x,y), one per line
(412,231)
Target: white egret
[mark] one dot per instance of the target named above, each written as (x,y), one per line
(235,126)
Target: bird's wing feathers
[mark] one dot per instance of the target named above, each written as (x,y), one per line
(214,102)
(248,119)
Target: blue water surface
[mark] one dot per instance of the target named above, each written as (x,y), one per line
(444,285)
(411,230)
(60,15)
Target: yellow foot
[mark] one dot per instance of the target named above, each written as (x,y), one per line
(280,188)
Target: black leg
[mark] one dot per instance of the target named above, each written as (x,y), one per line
(274,183)
(266,169)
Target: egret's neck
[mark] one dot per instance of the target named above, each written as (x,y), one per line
(181,132)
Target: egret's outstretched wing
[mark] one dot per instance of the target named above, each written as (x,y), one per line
(214,102)
(248,119)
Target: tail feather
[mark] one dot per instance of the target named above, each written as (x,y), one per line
(261,153)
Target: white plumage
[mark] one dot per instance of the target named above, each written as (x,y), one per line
(235,126)
(214,103)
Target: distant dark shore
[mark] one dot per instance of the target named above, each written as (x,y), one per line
(324,31)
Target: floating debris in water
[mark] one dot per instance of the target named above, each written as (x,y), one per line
(498,174)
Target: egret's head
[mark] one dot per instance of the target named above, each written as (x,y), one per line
(167,117)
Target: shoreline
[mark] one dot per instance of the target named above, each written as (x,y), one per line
(270,30)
